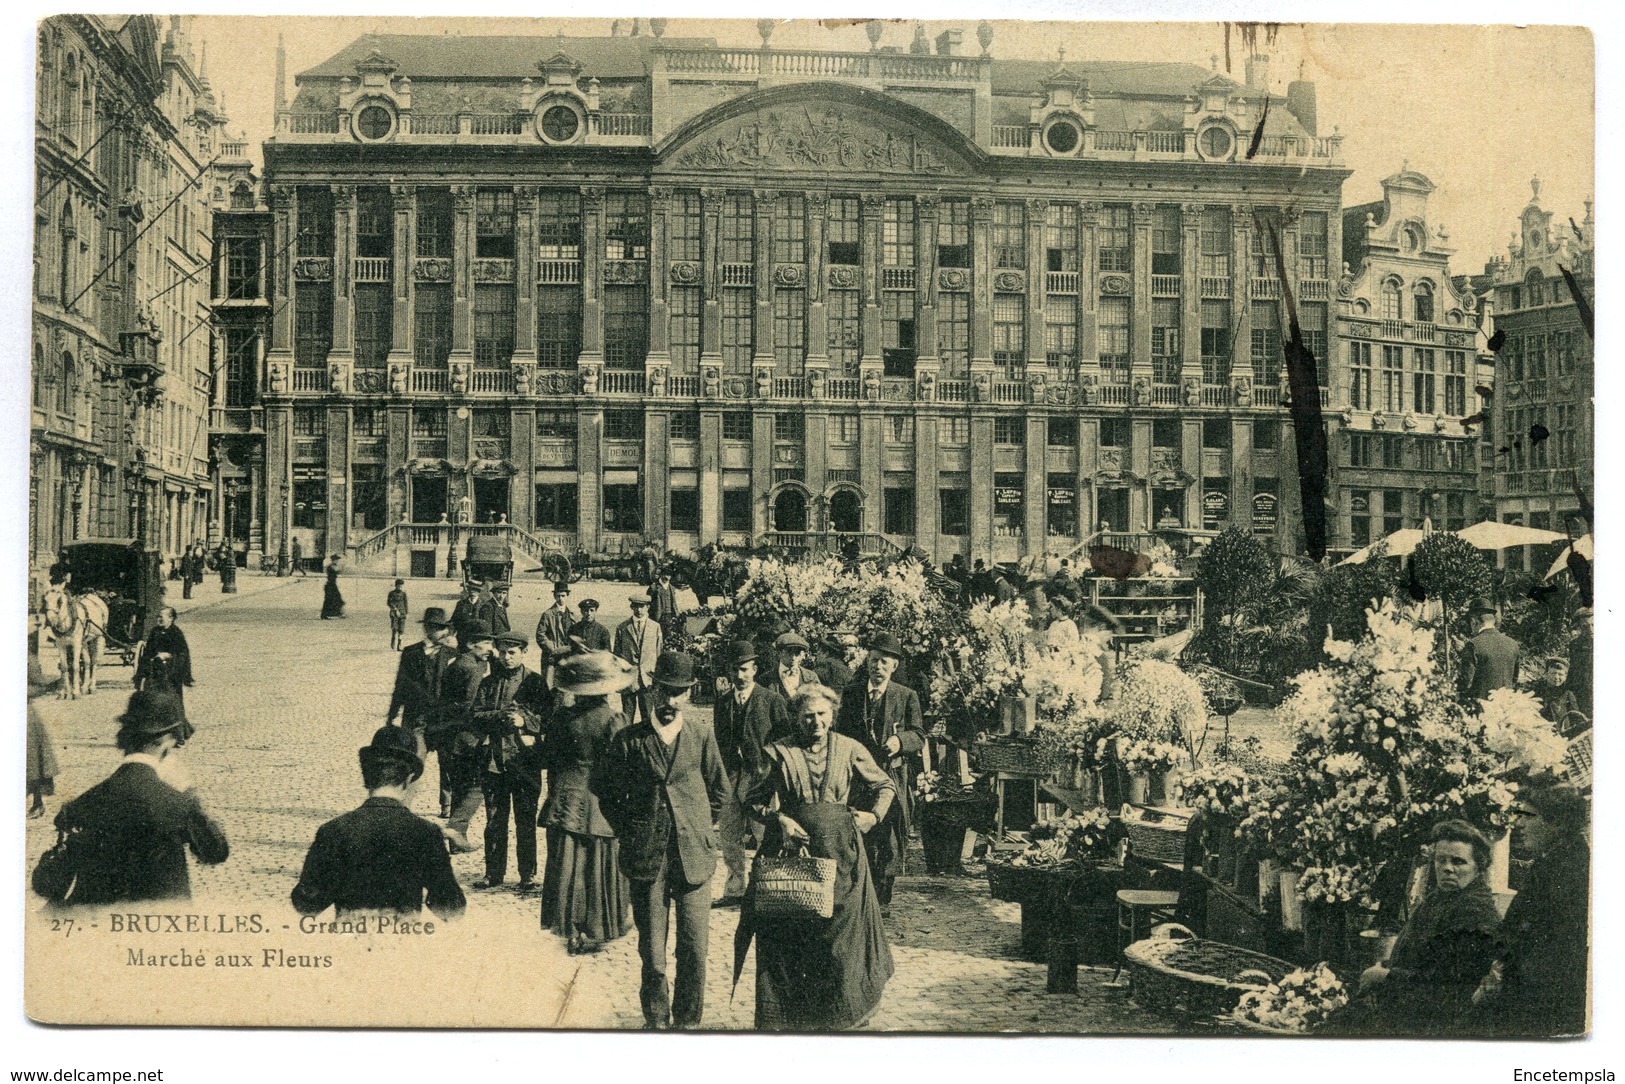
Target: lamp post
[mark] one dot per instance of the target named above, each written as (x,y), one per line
(284,559)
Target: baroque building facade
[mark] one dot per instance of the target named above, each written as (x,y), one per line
(610,289)
(125,124)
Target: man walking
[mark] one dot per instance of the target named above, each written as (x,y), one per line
(453,734)
(396,601)
(1489,661)
(748,718)
(588,633)
(298,558)
(660,785)
(418,679)
(639,641)
(553,631)
(509,709)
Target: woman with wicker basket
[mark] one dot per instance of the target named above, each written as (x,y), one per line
(820,791)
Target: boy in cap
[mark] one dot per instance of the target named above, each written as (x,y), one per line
(748,717)
(380,856)
(588,634)
(398,606)
(553,630)
(508,710)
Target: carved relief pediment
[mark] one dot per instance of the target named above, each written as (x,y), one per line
(825,137)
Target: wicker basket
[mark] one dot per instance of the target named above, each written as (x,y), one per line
(1157,836)
(1263,1029)
(977,813)
(1204,978)
(1578,761)
(1015,884)
(1022,758)
(794,885)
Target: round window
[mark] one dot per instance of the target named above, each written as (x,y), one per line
(374,122)
(1215,142)
(560,124)
(1062,137)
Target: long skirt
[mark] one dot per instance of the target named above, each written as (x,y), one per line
(820,974)
(42,765)
(583,891)
(332,601)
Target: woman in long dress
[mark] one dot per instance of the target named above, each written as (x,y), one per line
(823,790)
(332,601)
(585,898)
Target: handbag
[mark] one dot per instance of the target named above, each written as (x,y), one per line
(58,869)
(794,885)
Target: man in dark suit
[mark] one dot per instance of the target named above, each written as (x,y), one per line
(553,630)
(1489,661)
(380,856)
(886,718)
(452,733)
(661,786)
(830,666)
(418,676)
(508,711)
(135,827)
(588,633)
(790,674)
(747,717)
(663,601)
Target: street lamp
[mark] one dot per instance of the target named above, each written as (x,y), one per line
(284,559)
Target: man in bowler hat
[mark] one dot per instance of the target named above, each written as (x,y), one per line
(508,711)
(553,630)
(139,822)
(380,856)
(1489,660)
(418,677)
(660,784)
(748,717)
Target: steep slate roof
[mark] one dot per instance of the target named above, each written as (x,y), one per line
(450,56)
(1105,76)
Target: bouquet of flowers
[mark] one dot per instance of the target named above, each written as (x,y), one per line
(1300,1002)
(1074,837)
(1514,727)
(1142,756)
(1218,790)
(1157,700)
(1085,740)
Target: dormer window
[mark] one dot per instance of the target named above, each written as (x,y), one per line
(373,121)
(1215,142)
(1062,137)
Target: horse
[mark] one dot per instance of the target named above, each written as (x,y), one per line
(93,609)
(65,617)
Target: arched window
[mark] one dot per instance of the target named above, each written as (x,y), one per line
(69,102)
(1422,303)
(64,384)
(68,236)
(1534,288)
(1390,300)
(39,375)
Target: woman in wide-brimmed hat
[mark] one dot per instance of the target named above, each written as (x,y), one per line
(585,898)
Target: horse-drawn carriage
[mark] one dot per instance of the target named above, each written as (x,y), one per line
(488,559)
(129,578)
(637,565)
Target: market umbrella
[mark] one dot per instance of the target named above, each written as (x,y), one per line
(1399,544)
(1490,535)
(1582,546)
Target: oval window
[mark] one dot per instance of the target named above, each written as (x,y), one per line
(1215,142)
(1062,137)
(560,124)
(374,122)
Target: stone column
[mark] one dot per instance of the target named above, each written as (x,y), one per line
(338,478)
(402,270)
(925,482)
(981,320)
(592,279)
(711,276)
(524,278)
(659,356)
(1140,300)
(872,204)
(871,461)
(925,291)
(589,471)
(1035,491)
(343,349)
(1088,295)
(710,463)
(763,202)
(1190,293)
(656,474)
(462,276)
(284,203)
(981,485)
(1037,358)
(817,310)
(761,467)
(1241,292)
(522,453)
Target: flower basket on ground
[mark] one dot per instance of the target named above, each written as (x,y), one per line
(946,811)
(1296,1005)
(1195,976)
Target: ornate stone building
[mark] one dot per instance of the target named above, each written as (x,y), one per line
(1410,357)
(125,123)
(603,289)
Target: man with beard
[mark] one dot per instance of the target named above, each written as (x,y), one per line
(453,733)
(508,710)
(418,680)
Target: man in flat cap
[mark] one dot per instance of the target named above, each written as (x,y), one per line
(133,829)
(509,709)
(791,673)
(553,630)
(418,678)
(748,717)
(587,634)
(458,742)
(380,856)
(639,641)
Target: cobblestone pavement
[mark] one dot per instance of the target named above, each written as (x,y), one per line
(284,699)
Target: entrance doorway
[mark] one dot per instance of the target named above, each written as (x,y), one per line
(428,498)
(790,511)
(491,500)
(845,512)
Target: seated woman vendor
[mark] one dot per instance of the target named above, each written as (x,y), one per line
(1426,985)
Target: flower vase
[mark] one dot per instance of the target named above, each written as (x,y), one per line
(1500,862)
(1139,788)
(1018,715)
(1291,906)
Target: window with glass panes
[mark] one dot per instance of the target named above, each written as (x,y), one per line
(953,334)
(493,326)
(1061,335)
(683,225)
(684,312)
(899,510)
(1393,510)
(556,424)
(431,325)
(1166,241)
(558,326)
(738,229)
(1360,377)
(435,223)
(1112,338)
(1427,454)
(1009,234)
(242,268)
(897,328)
(1266,342)
(556,506)
(1215,432)
(626,326)
(1165,312)
(899,428)
(1537,448)
(1312,322)
(1216,242)
(374,324)
(954,430)
(626,226)
(558,225)
(1564,436)
(1010,334)
(1390,300)
(843,428)
(1266,234)
(685,510)
(310,422)
(789,427)
(1360,519)
(368,421)
(1062,432)
(1393,378)
(1165,433)
(842,231)
(736,425)
(623,425)
(315,221)
(1453,454)
(897,233)
(1009,429)
(623,507)
(953,512)
(429,422)
(1512,356)
(1313,243)
(490,423)
(1535,356)
(1360,449)
(738,343)
(790,330)
(845,335)
(1393,451)
(242,364)
(953,233)
(684,425)
(1061,237)
(736,510)
(1112,236)
(1266,434)
(1422,303)
(1424,382)
(493,224)
(1455,511)
(1216,342)
(1116,433)
(1563,353)
(312,324)
(374,223)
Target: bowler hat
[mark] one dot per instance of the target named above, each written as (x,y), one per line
(790,639)
(561,587)
(436,615)
(393,743)
(674,669)
(739,652)
(1481,605)
(592,673)
(474,629)
(513,639)
(152,712)
(886,644)
(588,604)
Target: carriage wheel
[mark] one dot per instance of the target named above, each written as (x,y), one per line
(556,566)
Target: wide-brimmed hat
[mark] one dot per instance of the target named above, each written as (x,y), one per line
(436,615)
(674,669)
(593,673)
(393,743)
(152,712)
(886,644)
(473,630)
(512,639)
(790,639)
(1481,605)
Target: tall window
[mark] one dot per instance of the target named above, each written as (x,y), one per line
(1266,342)
(1455,383)
(626,226)
(790,330)
(685,330)
(556,506)
(312,324)
(493,224)
(1061,238)
(1537,356)
(1061,334)
(1266,235)
(842,231)
(1010,334)
(435,223)
(431,338)
(1113,236)
(738,247)
(1512,355)
(897,331)
(953,334)
(65,386)
(1009,234)
(626,326)
(897,233)
(1393,378)
(1216,341)
(1165,340)
(1216,242)
(242,363)
(953,233)
(1360,375)
(1422,303)
(558,225)
(1312,245)
(738,345)
(1393,510)
(315,221)
(1113,338)
(1360,453)
(1312,322)
(683,225)
(954,508)
(1390,300)
(1165,241)
(845,332)
(493,326)
(374,223)
(790,230)
(623,507)
(738,229)
(242,268)
(374,324)
(1424,382)
(558,326)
